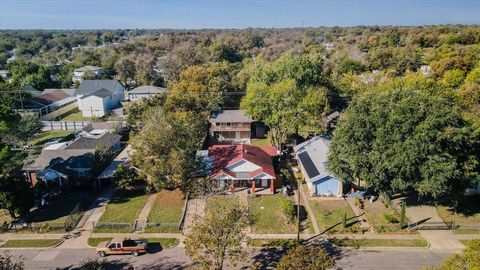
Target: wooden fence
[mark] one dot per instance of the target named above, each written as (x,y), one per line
(64,125)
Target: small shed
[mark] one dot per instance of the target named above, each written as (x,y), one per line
(312,156)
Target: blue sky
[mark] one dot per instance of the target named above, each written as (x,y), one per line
(115,14)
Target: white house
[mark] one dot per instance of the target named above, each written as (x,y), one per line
(80,72)
(312,156)
(98,97)
(144,91)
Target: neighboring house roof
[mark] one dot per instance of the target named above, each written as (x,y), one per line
(148,89)
(89,87)
(50,97)
(102,93)
(230,116)
(68,91)
(109,125)
(74,158)
(223,156)
(313,155)
(107,139)
(88,68)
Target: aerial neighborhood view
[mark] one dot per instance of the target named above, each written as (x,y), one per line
(240,134)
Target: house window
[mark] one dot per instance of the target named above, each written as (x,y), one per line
(473,185)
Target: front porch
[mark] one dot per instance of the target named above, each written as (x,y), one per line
(247,186)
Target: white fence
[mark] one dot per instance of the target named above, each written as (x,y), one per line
(64,125)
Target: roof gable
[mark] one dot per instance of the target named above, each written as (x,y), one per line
(89,87)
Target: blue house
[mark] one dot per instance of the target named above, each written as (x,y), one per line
(312,156)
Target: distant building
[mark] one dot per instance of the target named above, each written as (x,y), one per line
(79,73)
(144,92)
(70,159)
(231,126)
(98,97)
(5,74)
(312,156)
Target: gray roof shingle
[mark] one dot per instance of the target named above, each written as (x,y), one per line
(89,87)
(231,116)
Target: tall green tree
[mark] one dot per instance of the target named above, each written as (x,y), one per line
(308,258)
(468,259)
(217,237)
(289,96)
(165,147)
(404,139)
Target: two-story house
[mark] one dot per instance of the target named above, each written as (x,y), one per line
(98,97)
(231,126)
(79,73)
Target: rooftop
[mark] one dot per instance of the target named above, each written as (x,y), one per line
(313,154)
(230,116)
(148,89)
(88,68)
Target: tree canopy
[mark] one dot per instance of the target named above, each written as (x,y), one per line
(308,258)
(405,139)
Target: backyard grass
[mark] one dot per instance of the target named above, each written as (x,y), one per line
(329,215)
(261,142)
(94,241)
(124,207)
(58,210)
(357,243)
(35,243)
(268,216)
(43,137)
(283,243)
(377,215)
(74,115)
(168,210)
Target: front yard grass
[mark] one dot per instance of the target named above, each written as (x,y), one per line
(357,243)
(94,241)
(268,216)
(377,215)
(57,211)
(466,231)
(32,243)
(329,215)
(281,243)
(469,215)
(261,142)
(43,137)
(163,242)
(167,210)
(124,207)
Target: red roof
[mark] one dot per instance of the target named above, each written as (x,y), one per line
(52,97)
(226,155)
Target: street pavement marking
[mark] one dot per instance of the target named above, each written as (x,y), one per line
(46,255)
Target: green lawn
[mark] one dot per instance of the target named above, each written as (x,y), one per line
(168,210)
(163,242)
(94,241)
(469,216)
(268,216)
(261,142)
(329,215)
(31,243)
(284,243)
(43,137)
(74,115)
(379,242)
(58,210)
(376,212)
(466,231)
(124,207)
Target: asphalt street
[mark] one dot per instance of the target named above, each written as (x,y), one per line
(175,258)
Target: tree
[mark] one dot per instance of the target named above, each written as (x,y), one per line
(403,212)
(28,126)
(124,177)
(11,262)
(16,195)
(217,237)
(126,70)
(289,96)
(468,259)
(308,258)
(93,264)
(166,146)
(403,139)
(102,157)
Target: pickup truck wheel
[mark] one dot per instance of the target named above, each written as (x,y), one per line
(135,253)
(101,254)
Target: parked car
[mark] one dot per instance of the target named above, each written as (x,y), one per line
(119,246)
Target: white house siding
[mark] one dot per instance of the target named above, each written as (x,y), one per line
(91,106)
(243,166)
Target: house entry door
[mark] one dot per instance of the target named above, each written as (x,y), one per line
(264,182)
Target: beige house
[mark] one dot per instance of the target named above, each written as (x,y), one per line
(231,126)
